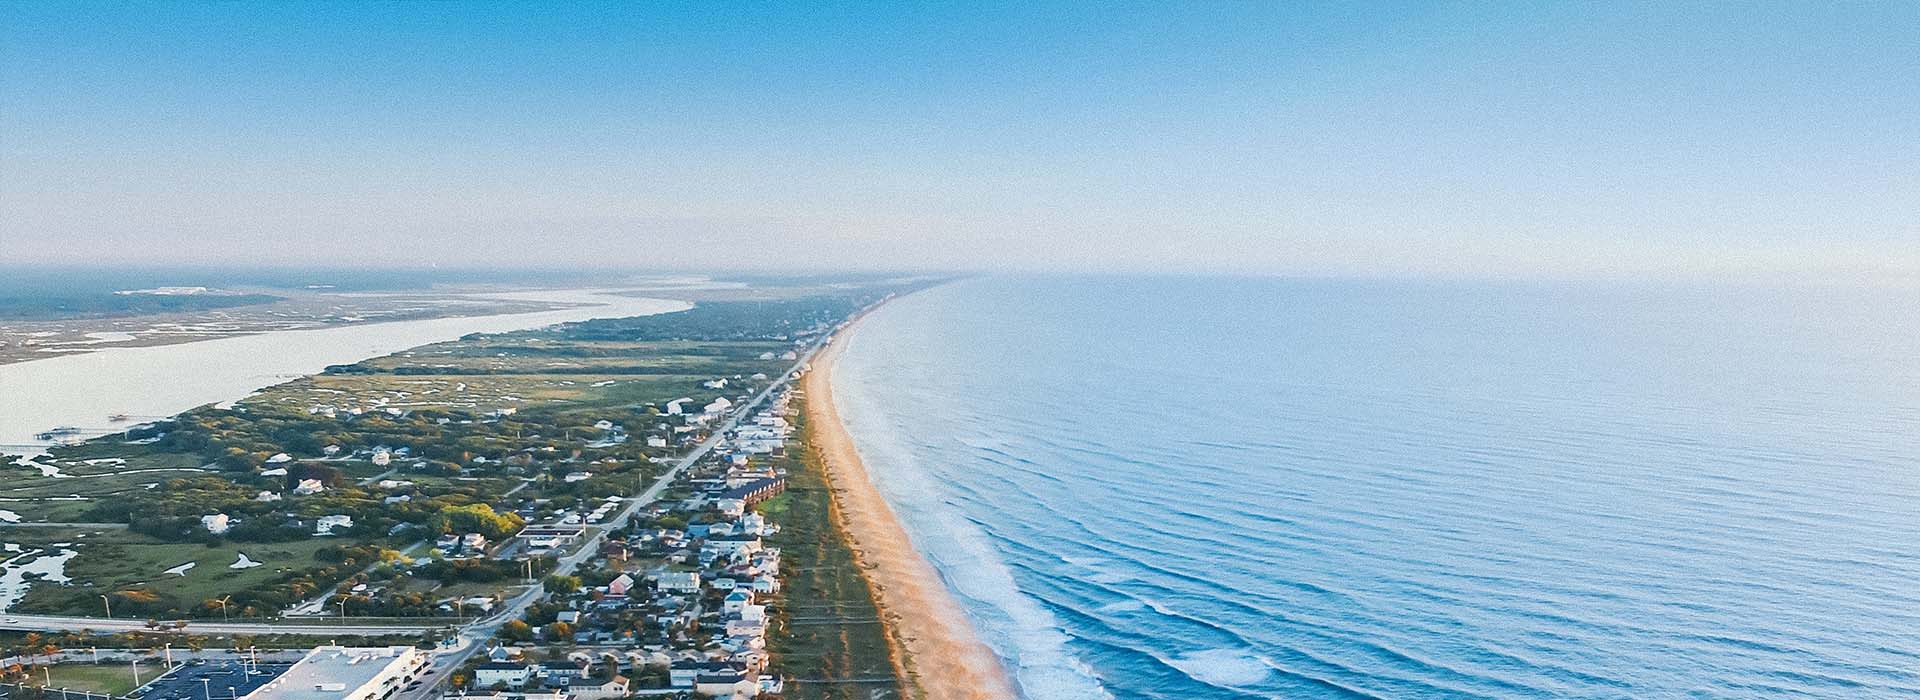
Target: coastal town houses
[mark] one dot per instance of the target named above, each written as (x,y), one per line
(686,585)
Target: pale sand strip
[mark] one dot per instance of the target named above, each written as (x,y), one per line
(942,657)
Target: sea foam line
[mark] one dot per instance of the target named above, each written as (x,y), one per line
(1022,632)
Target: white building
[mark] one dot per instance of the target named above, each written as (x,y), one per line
(216,523)
(328,523)
(502,673)
(678,582)
(346,673)
(309,487)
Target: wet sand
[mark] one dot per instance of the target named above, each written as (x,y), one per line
(934,644)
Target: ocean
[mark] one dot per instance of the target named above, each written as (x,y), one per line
(1204,488)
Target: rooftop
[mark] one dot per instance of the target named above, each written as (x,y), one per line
(334,673)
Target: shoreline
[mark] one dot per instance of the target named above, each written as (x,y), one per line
(938,654)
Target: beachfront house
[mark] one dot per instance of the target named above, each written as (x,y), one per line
(685,674)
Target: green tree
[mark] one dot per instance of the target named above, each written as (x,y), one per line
(476,517)
(562,585)
(516,631)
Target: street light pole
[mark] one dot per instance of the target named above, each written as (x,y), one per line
(108,603)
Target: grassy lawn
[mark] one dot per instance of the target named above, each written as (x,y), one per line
(822,584)
(107,678)
(114,560)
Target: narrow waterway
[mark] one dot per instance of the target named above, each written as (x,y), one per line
(83,391)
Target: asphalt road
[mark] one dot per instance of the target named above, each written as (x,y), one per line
(56,623)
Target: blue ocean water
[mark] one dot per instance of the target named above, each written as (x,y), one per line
(1241,488)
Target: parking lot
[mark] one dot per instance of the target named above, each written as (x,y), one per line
(211,681)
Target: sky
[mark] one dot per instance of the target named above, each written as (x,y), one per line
(1479,139)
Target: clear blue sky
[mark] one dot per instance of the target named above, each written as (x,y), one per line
(1468,139)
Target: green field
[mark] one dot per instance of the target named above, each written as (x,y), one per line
(118,560)
(116,679)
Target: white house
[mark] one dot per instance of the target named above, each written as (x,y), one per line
(590,689)
(685,674)
(328,523)
(281,458)
(678,582)
(727,685)
(501,673)
(753,613)
(733,544)
(734,601)
(216,523)
(309,487)
(382,457)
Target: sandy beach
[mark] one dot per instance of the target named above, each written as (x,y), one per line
(941,656)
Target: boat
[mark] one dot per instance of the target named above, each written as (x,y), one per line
(119,418)
(64,431)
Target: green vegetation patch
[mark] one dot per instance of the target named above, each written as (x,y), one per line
(827,626)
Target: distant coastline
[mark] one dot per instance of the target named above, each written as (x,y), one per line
(938,652)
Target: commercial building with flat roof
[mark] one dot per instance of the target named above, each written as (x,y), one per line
(345,673)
